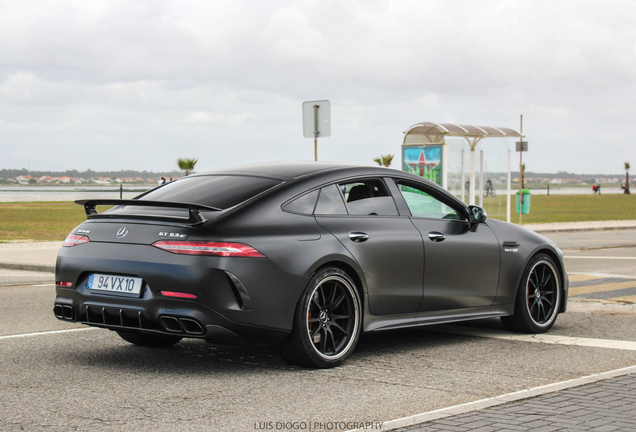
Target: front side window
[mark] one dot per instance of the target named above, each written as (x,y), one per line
(423,205)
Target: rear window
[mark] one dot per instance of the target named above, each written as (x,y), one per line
(215,191)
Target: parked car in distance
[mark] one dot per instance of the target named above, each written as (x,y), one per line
(305,256)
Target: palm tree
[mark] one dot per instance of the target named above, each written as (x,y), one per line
(384,160)
(187,165)
(626,190)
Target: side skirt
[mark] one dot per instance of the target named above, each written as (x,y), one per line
(387,322)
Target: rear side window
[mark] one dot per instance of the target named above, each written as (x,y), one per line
(303,205)
(330,202)
(215,191)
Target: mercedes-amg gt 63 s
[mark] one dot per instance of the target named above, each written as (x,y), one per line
(305,256)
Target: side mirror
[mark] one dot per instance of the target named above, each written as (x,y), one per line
(476,215)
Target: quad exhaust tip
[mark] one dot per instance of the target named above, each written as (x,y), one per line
(64,312)
(181,325)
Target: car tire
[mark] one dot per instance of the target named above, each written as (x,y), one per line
(327,321)
(538,297)
(149,340)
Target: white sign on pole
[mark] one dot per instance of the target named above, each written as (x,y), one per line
(317,119)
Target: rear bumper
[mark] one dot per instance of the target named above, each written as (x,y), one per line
(236,298)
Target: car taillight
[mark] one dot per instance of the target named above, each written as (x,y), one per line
(74,240)
(64,284)
(208,248)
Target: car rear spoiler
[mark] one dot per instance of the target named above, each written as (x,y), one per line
(194,210)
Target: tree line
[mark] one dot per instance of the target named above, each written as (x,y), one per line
(146,175)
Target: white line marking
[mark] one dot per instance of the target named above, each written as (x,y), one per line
(23,335)
(604,275)
(502,399)
(540,338)
(600,257)
(41,285)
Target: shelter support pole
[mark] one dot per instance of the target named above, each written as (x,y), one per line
(471,196)
(473,146)
(481,179)
(445,166)
(463,181)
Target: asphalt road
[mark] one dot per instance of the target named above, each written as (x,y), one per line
(58,376)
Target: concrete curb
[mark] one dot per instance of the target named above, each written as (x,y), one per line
(566,230)
(28,267)
(557,227)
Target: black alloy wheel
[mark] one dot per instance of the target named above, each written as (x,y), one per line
(538,299)
(327,321)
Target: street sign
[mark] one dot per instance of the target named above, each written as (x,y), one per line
(522,143)
(317,119)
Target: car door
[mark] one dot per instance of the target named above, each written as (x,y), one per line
(461,267)
(362,215)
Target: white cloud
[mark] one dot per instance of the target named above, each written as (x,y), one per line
(206,117)
(226,79)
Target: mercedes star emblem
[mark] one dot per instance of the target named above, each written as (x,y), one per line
(122,232)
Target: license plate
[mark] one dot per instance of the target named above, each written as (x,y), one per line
(114,284)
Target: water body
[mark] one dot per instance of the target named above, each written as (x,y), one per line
(67,193)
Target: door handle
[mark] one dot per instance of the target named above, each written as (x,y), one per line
(358,237)
(436,236)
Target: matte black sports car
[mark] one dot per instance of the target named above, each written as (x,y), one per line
(306,256)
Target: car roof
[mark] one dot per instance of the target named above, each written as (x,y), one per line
(288,170)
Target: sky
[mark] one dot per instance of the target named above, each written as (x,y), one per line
(112,85)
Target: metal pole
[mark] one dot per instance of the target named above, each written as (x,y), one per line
(508,191)
(316,132)
(121,191)
(481,178)
(521,171)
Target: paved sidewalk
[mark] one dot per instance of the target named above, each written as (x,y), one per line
(607,405)
(29,256)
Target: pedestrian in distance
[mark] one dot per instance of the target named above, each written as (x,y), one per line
(489,190)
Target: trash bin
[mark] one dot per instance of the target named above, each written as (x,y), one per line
(526,202)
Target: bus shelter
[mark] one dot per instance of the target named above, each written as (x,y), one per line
(437,151)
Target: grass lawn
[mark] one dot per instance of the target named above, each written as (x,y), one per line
(577,208)
(53,221)
(39,221)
